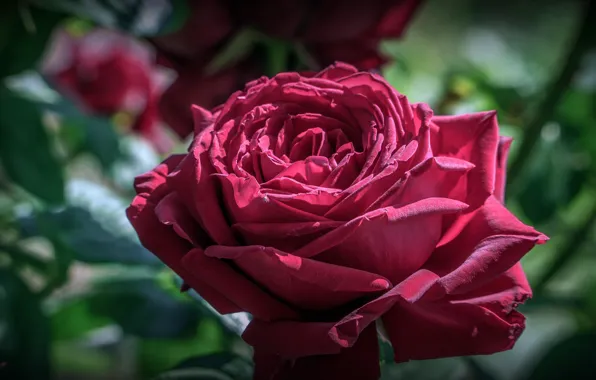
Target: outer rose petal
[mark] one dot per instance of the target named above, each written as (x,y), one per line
(445,329)
(242,291)
(482,321)
(161,239)
(305,283)
(480,245)
(293,339)
(500,175)
(194,183)
(474,138)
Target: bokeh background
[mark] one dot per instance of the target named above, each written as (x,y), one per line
(80,298)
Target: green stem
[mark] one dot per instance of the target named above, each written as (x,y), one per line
(278,53)
(571,246)
(554,92)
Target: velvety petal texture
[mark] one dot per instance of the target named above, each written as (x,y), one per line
(325,204)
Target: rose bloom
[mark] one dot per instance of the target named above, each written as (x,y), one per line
(109,73)
(326,205)
(333,30)
(330,30)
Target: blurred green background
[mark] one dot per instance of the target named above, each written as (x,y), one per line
(80,298)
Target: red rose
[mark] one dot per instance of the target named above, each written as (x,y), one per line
(109,73)
(208,26)
(323,204)
(333,30)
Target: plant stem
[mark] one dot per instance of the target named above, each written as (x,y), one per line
(554,92)
(567,251)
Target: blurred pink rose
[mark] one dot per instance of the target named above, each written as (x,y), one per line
(107,73)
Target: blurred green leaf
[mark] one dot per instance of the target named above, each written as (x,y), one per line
(139,17)
(159,355)
(572,358)
(438,369)
(24,332)
(24,33)
(73,319)
(88,239)
(221,366)
(25,149)
(142,308)
(553,179)
(239,47)
(80,131)
(138,156)
(100,139)
(177,18)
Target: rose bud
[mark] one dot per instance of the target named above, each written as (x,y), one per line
(326,204)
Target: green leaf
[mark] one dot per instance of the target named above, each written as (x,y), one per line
(88,238)
(221,366)
(73,319)
(209,338)
(25,332)
(572,358)
(438,369)
(80,131)
(553,181)
(236,50)
(177,18)
(24,33)
(142,308)
(25,150)
(138,156)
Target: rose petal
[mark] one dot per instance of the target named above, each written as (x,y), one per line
(393,242)
(445,329)
(235,286)
(500,175)
(171,211)
(245,202)
(474,138)
(482,321)
(305,283)
(481,245)
(287,237)
(197,188)
(161,239)
(292,339)
(434,177)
